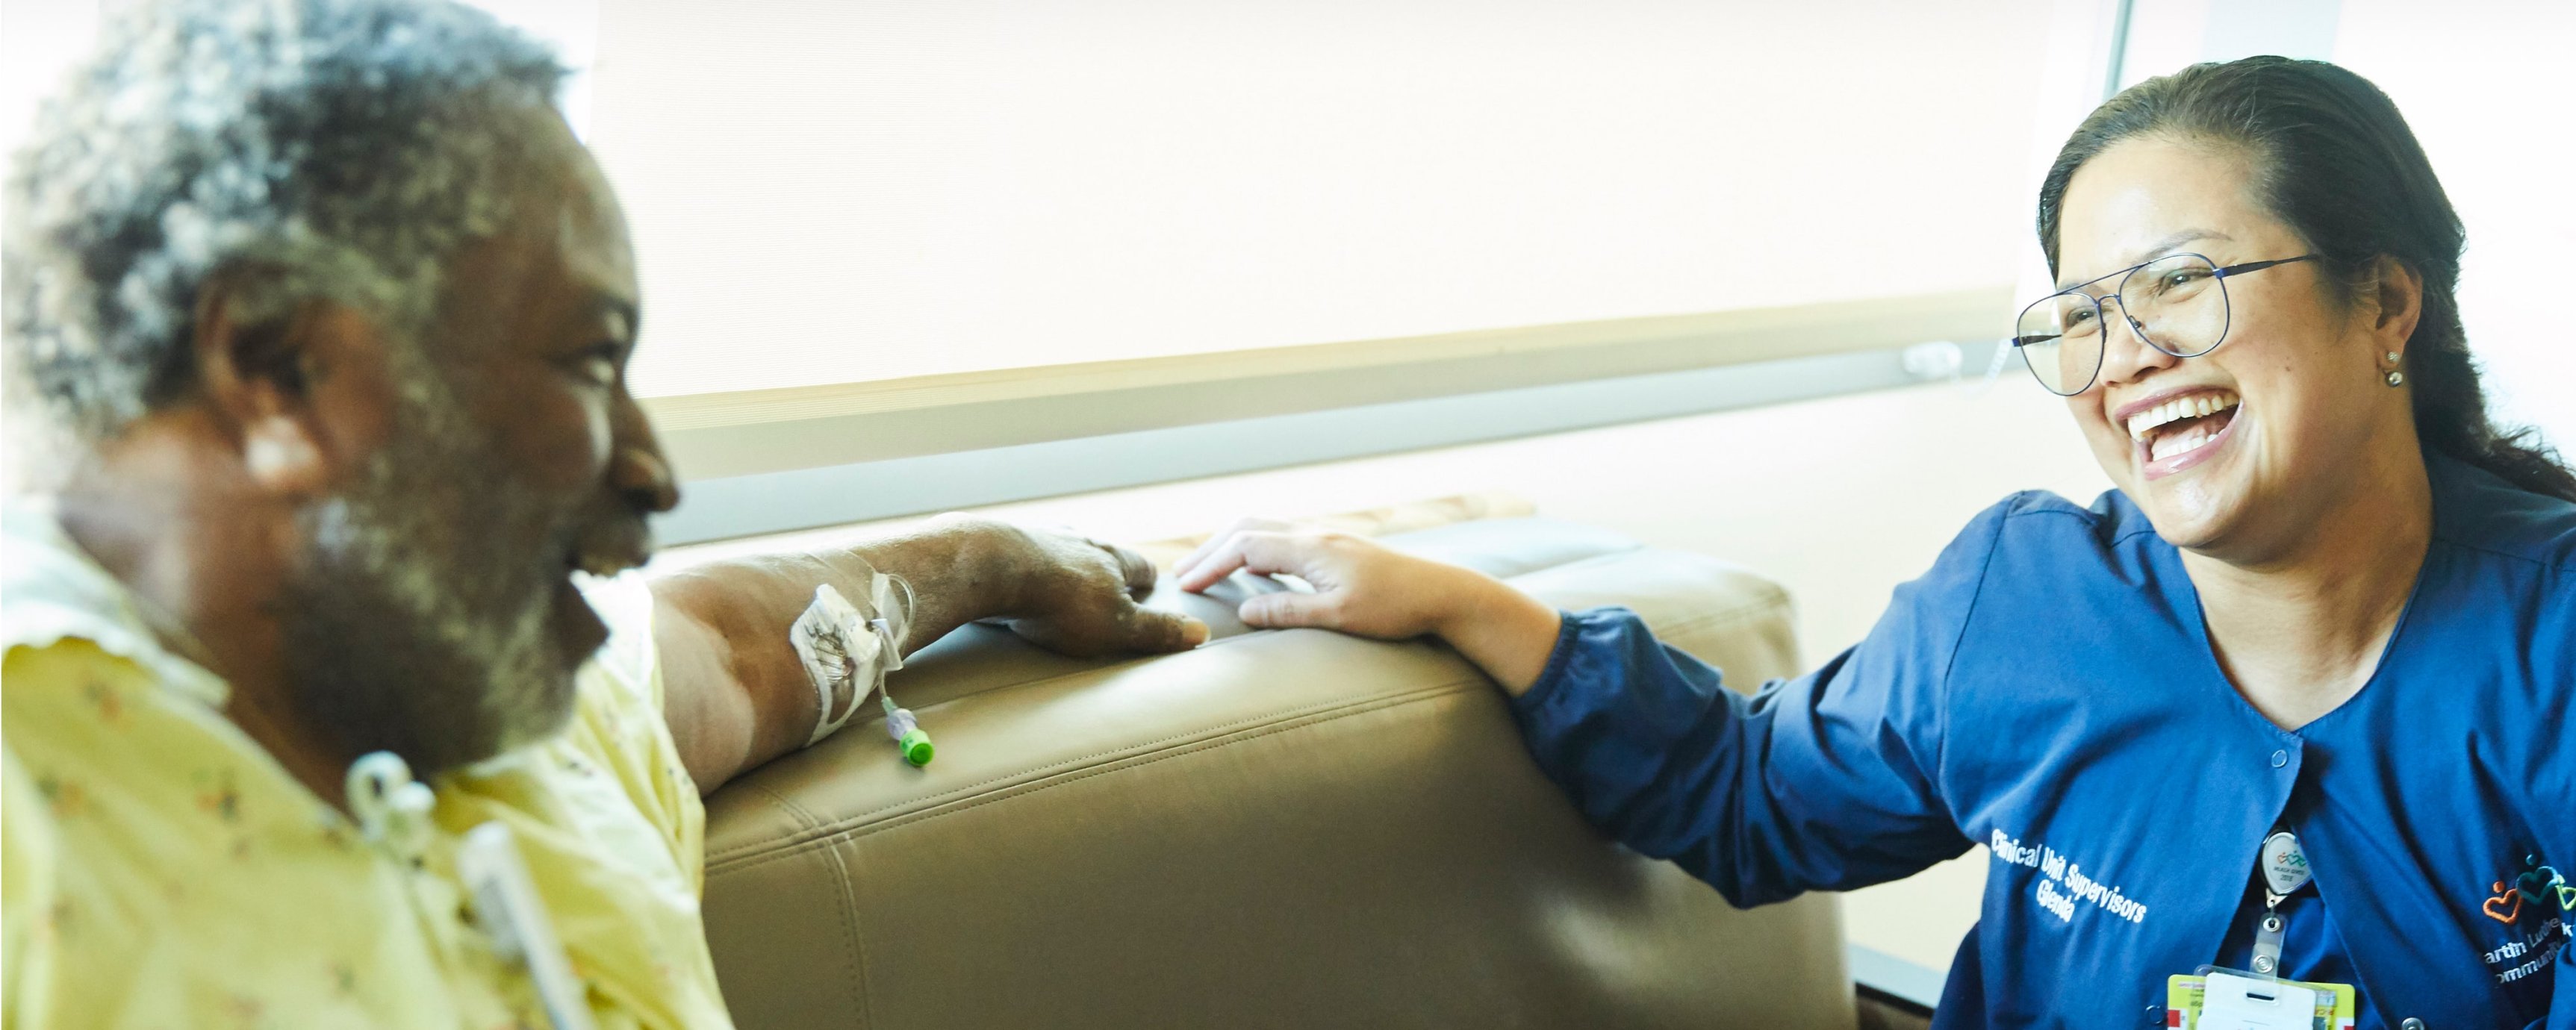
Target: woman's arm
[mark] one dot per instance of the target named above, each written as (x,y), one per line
(1365,589)
(1827,781)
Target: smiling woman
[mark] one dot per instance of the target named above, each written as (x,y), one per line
(2328,157)
(2194,691)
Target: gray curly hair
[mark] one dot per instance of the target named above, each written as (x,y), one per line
(339,149)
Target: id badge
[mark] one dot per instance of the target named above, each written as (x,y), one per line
(2224,999)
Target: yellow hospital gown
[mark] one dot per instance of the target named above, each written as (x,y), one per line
(161,870)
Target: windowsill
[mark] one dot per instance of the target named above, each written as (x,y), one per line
(752,432)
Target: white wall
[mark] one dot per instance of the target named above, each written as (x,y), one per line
(39,40)
(2486,87)
(829,192)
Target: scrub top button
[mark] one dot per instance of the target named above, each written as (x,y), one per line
(2280,758)
(2411,1023)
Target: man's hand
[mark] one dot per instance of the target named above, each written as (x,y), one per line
(736,695)
(1075,595)
(1364,588)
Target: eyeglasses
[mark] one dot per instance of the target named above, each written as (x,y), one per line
(2178,307)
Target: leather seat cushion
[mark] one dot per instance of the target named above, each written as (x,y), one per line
(1280,828)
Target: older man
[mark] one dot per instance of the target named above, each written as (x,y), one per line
(325,315)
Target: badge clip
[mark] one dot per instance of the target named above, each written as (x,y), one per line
(2285,870)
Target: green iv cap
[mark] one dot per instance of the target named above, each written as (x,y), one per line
(916,747)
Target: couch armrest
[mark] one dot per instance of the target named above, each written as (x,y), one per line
(1281,828)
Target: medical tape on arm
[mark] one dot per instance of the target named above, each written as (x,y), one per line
(846,651)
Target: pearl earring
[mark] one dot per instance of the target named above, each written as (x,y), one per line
(2396,378)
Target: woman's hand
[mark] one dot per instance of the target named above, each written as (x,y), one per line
(1363,588)
(1360,587)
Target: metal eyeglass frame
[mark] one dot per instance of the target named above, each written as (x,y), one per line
(2227,311)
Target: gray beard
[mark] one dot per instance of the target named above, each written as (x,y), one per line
(418,620)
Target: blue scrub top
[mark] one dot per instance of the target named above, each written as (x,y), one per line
(2048,690)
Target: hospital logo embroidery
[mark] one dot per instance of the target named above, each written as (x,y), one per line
(2535,904)
(2539,889)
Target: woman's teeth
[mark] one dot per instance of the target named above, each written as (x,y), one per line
(2180,442)
(2179,408)
(2156,427)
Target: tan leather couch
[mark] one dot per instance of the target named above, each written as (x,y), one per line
(1286,829)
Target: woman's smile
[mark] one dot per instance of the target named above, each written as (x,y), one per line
(2178,429)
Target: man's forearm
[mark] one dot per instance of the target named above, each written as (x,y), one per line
(738,694)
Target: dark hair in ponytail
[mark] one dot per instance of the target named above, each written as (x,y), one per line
(2335,160)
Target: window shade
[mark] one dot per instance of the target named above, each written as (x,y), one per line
(842,192)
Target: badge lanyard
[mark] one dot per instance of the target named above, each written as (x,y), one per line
(2285,869)
(2226,999)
